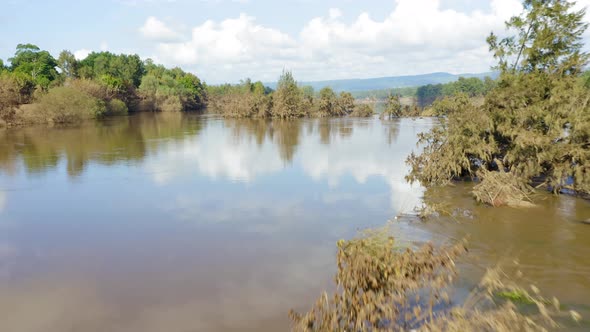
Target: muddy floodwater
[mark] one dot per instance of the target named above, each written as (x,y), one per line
(176,222)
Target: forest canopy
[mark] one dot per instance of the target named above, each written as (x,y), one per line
(72,90)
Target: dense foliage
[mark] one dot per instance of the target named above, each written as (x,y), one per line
(170,89)
(473,87)
(535,124)
(289,101)
(119,83)
(393,107)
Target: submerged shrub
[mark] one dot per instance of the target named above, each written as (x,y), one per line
(393,108)
(288,98)
(362,111)
(67,105)
(384,288)
(379,286)
(329,104)
(117,107)
(346,102)
(241,105)
(499,188)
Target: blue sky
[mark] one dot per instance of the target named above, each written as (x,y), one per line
(226,40)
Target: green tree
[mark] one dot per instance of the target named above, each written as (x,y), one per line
(68,64)
(394,107)
(549,35)
(39,65)
(288,98)
(346,102)
(171,88)
(129,69)
(533,125)
(327,103)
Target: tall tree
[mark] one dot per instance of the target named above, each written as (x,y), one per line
(549,37)
(533,125)
(68,64)
(394,107)
(288,98)
(39,65)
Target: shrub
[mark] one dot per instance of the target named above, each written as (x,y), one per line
(328,104)
(288,98)
(377,286)
(380,287)
(346,102)
(394,107)
(9,97)
(362,111)
(117,107)
(68,105)
(90,87)
(170,104)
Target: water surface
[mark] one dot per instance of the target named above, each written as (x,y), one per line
(176,222)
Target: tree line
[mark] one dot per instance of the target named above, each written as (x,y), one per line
(289,100)
(39,88)
(472,87)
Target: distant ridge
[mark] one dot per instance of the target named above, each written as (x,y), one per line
(380,83)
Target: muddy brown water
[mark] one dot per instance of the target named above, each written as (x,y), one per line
(176,222)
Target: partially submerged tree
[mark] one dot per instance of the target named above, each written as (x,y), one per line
(331,105)
(394,107)
(346,102)
(288,98)
(536,121)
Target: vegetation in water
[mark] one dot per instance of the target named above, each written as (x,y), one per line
(381,287)
(254,100)
(393,108)
(535,121)
(362,111)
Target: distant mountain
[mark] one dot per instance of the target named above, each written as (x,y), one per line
(388,82)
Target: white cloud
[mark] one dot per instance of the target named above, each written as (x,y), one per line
(156,30)
(233,41)
(82,53)
(418,36)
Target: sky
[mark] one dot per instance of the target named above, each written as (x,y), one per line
(228,40)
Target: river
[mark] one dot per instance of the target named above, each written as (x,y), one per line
(184,222)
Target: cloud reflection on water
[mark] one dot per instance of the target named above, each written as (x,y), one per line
(324,150)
